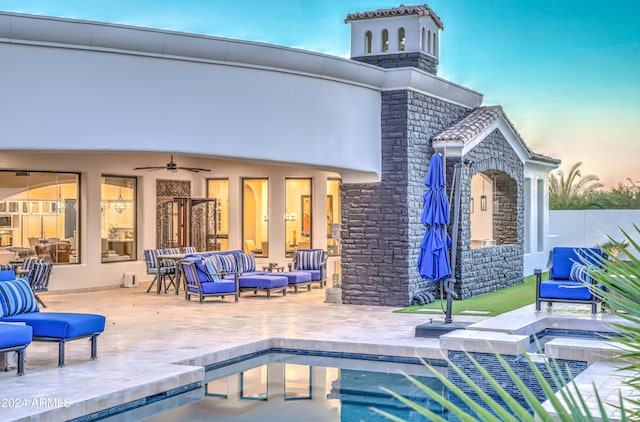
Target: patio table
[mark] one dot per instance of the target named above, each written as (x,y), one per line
(177,258)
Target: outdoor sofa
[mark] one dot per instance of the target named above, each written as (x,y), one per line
(18,305)
(236,264)
(569,280)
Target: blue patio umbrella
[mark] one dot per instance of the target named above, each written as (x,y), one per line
(433,260)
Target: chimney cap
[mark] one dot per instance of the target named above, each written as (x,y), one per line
(419,10)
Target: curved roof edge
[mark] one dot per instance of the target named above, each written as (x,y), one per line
(117,38)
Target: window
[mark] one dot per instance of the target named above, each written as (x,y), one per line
(367,42)
(297,215)
(401,39)
(385,40)
(255,216)
(219,189)
(333,217)
(118,218)
(429,42)
(39,215)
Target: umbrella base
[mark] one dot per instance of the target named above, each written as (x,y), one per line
(436,329)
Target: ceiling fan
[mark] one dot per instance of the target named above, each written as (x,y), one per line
(173,167)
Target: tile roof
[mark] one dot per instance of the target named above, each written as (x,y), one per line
(420,10)
(479,119)
(468,127)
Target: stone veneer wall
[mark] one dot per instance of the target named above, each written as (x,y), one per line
(381,229)
(485,270)
(417,59)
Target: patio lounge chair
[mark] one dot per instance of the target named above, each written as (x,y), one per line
(18,304)
(15,338)
(313,261)
(568,279)
(197,281)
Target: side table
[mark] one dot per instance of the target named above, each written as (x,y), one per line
(273,267)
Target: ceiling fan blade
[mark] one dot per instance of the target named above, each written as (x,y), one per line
(149,168)
(193,169)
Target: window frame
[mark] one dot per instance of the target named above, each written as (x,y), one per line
(133,249)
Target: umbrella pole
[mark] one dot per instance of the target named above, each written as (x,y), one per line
(454,242)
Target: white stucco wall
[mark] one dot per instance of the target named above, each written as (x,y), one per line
(590,228)
(536,220)
(89,97)
(412,25)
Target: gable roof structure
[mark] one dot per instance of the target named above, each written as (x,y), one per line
(419,10)
(466,133)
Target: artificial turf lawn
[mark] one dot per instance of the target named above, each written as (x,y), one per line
(491,304)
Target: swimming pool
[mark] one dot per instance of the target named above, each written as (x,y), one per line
(295,387)
(249,388)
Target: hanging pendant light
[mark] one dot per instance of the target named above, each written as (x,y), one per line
(120,206)
(59,199)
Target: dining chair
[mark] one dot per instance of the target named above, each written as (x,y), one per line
(39,278)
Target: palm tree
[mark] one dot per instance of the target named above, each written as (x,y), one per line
(573,190)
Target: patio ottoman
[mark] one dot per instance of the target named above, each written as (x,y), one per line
(15,338)
(61,327)
(298,278)
(267,283)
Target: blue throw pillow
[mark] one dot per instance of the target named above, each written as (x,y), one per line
(16,297)
(580,273)
(210,269)
(226,263)
(309,260)
(247,262)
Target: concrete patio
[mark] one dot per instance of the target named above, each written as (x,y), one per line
(153,343)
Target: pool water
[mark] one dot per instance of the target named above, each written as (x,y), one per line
(283,387)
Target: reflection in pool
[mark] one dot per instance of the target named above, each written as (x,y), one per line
(283,387)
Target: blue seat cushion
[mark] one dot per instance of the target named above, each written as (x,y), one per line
(263,282)
(252,273)
(14,335)
(315,274)
(564,289)
(297,277)
(210,287)
(60,325)
(7,275)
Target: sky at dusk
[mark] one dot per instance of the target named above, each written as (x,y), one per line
(567,72)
